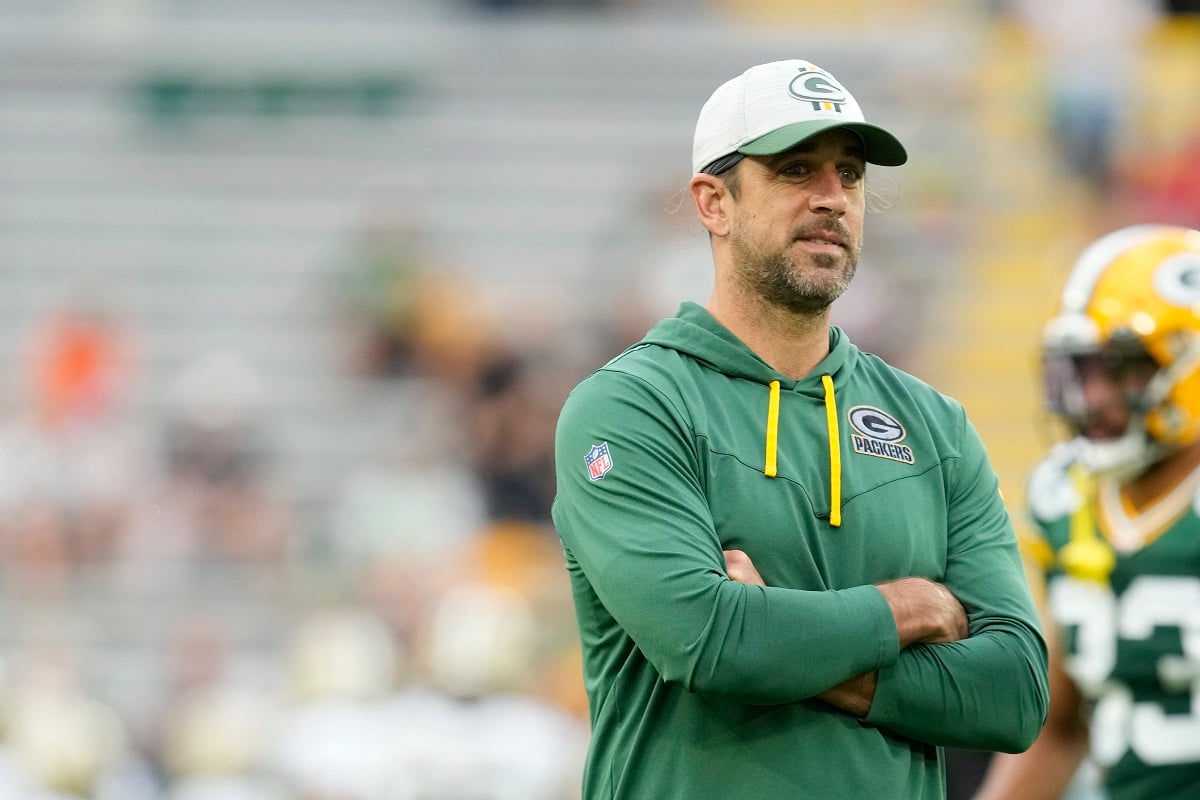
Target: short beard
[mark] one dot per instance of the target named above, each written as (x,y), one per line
(775,277)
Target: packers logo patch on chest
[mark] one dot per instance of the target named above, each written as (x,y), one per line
(877,433)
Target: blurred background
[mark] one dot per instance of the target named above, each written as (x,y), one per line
(291,292)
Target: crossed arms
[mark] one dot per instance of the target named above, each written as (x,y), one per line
(924,611)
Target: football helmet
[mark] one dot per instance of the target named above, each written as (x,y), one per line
(1130,307)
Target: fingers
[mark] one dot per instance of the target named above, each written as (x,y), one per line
(961,630)
(953,617)
(740,568)
(924,611)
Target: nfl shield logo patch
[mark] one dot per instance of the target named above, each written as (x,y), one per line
(598,461)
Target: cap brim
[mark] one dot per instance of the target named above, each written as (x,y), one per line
(881,147)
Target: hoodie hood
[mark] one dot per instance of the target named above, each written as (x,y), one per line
(696,333)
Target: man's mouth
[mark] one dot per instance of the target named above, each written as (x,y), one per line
(823,241)
(822,237)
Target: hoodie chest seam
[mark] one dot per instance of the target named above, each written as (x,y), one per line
(803,487)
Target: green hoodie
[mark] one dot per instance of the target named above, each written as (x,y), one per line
(700,687)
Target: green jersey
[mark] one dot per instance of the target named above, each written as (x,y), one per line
(701,687)
(1132,642)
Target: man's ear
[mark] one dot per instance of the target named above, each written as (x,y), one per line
(709,194)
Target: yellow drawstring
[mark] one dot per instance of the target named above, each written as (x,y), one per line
(835,450)
(772,430)
(835,454)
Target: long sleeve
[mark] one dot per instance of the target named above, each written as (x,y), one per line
(988,691)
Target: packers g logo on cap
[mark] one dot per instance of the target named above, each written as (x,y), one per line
(818,88)
(877,433)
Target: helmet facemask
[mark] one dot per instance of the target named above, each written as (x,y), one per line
(1105,393)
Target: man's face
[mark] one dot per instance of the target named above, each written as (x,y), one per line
(1098,392)
(797,229)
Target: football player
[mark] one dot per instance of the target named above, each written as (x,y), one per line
(1116,510)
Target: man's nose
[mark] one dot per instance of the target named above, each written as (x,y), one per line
(1099,387)
(828,192)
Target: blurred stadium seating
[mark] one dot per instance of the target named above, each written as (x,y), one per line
(202,207)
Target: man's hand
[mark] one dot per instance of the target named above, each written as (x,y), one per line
(853,695)
(740,568)
(924,611)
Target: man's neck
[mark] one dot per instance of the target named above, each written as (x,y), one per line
(793,344)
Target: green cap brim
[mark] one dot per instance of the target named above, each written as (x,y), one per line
(880,146)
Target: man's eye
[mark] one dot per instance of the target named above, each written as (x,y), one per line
(850,175)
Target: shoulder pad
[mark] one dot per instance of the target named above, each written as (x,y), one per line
(1050,492)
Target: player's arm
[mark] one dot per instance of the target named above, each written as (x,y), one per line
(923,611)
(1046,769)
(642,540)
(988,691)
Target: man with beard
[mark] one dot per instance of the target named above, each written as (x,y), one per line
(793,573)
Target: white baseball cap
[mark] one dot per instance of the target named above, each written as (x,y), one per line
(772,107)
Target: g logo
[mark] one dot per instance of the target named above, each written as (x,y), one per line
(1177,279)
(875,424)
(816,87)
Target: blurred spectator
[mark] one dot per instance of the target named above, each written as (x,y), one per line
(36,556)
(215,519)
(81,363)
(416,496)
(1165,188)
(62,503)
(378,287)
(519,559)
(342,653)
(397,519)
(404,314)
(342,666)
(61,740)
(467,704)
(219,735)
(219,459)
(210,734)
(456,334)
(487,678)
(1090,51)
(68,461)
(512,414)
